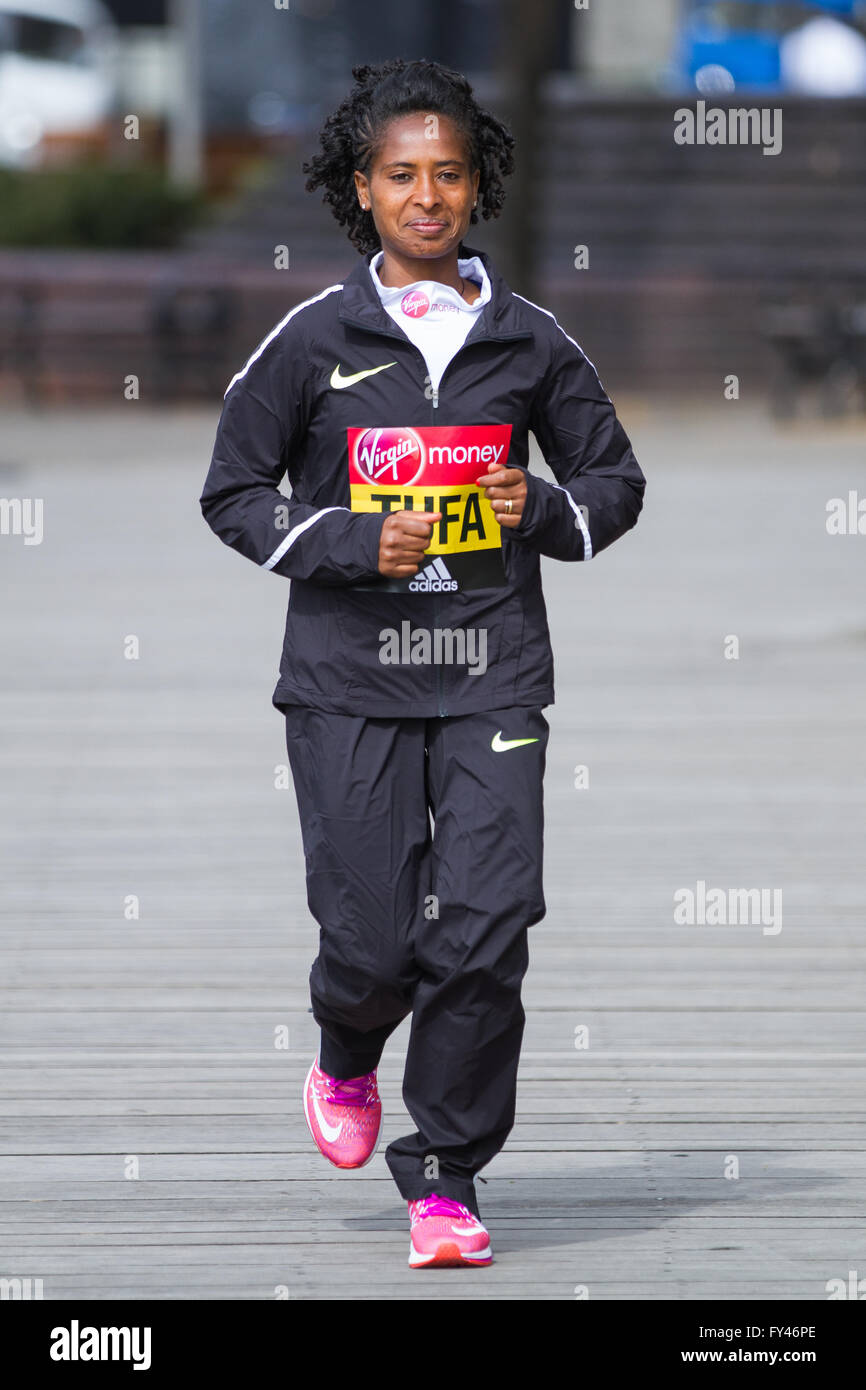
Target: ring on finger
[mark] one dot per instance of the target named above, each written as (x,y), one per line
(509,507)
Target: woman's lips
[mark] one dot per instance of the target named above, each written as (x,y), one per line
(422,224)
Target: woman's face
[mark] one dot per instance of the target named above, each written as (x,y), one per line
(420,188)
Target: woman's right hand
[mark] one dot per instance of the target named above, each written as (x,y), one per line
(403,540)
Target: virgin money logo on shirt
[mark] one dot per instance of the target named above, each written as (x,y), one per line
(415,304)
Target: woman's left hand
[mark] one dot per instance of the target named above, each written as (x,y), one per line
(504,486)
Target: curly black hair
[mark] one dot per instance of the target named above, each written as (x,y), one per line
(352,134)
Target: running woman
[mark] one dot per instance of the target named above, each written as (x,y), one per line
(417,661)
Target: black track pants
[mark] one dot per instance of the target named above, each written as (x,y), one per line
(432,924)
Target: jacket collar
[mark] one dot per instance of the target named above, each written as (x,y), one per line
(503,318)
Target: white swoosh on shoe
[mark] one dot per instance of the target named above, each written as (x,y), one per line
(330,1132)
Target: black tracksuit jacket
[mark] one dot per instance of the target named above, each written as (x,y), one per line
(339,399)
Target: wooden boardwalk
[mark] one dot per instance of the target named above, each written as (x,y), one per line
(152,1142)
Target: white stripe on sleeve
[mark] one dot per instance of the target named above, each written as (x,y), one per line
(296,531)
(587,539)
(561,329)
(274,331)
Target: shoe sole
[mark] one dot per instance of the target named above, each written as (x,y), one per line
(448,1254)
(332,1161)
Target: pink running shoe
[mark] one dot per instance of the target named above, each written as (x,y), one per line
(344,1117)
(444,1232)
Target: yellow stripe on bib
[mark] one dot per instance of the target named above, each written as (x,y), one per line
(468,520)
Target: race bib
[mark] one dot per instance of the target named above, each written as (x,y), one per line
(433,469)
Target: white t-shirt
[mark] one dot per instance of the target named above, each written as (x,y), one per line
(435,317)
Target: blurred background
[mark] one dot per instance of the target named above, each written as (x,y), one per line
(150,164)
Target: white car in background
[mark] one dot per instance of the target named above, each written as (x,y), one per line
(57,73)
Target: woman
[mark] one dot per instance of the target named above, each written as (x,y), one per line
(417,660)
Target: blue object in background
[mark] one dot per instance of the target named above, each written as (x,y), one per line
(751,59)
(848,7)
(843,7)
(741,38)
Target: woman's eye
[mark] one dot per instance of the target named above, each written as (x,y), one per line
(450,174)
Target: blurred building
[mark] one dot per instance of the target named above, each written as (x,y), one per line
(679,262)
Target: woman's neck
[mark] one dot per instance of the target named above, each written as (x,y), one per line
(396,271)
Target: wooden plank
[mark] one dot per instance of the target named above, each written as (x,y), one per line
(155,1036)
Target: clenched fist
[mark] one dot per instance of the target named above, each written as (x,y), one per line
(402,542)
(508,485)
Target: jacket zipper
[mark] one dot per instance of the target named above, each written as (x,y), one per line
(440,674)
